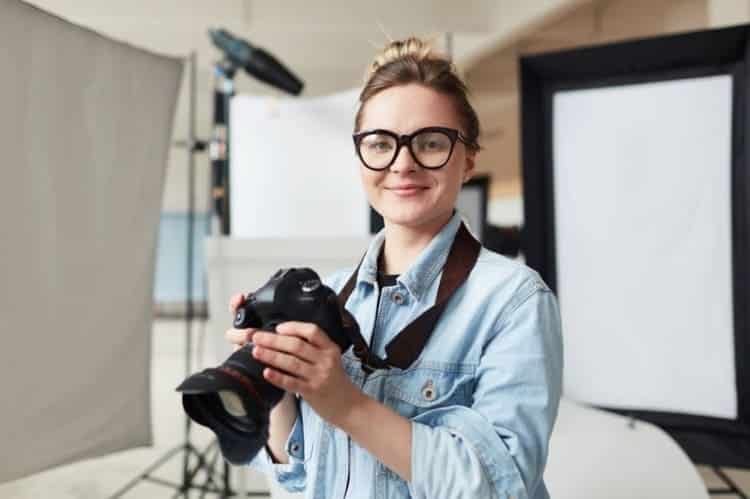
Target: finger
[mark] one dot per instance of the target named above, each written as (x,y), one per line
(305,330)
(235,302)
(283,381)
(292,345)
(240,336)
(284,362)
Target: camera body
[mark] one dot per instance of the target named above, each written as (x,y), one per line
(298,295)
(233,399)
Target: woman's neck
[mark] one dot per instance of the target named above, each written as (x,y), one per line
(403,244)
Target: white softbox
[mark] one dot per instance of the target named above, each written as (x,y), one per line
(84,133)
(294,171)
(636,196)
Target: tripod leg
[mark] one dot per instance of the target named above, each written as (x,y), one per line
(227,484)
(732,489)
(147,471)
(210,476)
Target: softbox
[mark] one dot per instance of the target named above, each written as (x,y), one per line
(636,202)
(85,129)
(294,168)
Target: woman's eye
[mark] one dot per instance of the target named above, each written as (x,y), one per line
(379,146)
(432,145)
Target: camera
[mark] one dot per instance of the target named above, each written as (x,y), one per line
(233,399)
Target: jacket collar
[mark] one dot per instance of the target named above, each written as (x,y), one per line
(421,274)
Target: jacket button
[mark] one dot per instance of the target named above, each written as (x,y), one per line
(398,298)
(428,391)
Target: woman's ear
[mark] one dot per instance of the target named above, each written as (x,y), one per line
(470,163)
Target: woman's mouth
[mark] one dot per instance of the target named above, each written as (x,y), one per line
(406,190)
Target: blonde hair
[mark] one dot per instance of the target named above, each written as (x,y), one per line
(414,60)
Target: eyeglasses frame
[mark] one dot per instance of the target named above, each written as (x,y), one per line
(406,140)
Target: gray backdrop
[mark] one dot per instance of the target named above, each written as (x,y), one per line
(85,126)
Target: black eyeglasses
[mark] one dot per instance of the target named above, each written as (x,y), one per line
(430,147)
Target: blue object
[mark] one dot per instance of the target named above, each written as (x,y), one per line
(171,272)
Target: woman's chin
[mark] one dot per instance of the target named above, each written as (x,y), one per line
(409,218)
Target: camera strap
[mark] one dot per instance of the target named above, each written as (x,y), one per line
(406,347)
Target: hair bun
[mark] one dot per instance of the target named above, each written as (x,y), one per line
(411,48)
(414,61)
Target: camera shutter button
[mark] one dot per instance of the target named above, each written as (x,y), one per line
(310,286)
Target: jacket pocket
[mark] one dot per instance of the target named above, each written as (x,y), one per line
(420,389)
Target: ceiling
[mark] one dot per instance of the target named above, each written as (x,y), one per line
(327,43)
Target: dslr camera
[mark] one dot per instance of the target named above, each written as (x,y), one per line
(233,399)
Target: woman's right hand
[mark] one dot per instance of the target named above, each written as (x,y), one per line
(238,337)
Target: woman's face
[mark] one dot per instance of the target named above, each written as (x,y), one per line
(405,193)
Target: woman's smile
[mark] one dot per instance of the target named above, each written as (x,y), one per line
(407,190)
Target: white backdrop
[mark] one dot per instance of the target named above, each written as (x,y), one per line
(85,125)
(646,167)
(294,171)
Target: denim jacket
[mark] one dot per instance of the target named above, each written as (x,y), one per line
(482,397)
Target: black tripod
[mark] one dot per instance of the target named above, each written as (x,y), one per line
(194,460)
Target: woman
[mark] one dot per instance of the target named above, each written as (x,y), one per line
(471,416)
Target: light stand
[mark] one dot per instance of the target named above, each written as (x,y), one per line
(206,459)
(263,66)
(238,54)
(224,72)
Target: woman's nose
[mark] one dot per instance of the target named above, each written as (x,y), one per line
(404,161)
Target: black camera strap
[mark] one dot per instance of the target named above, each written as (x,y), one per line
(406,347)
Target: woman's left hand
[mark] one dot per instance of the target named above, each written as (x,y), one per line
(304,360)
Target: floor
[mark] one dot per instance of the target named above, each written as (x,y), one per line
(101,478)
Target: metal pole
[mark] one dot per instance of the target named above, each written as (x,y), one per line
(219,225)
(186,476)
(219,149)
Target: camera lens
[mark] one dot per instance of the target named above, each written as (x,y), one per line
(232,403)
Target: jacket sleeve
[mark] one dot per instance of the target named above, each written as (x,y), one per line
(498,446)
(293,475)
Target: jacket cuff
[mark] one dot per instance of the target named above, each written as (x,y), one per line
(292,475)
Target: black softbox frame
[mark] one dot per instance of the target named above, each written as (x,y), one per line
(707,440)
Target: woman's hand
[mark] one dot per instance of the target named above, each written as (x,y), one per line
(238,337)
(303,359)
